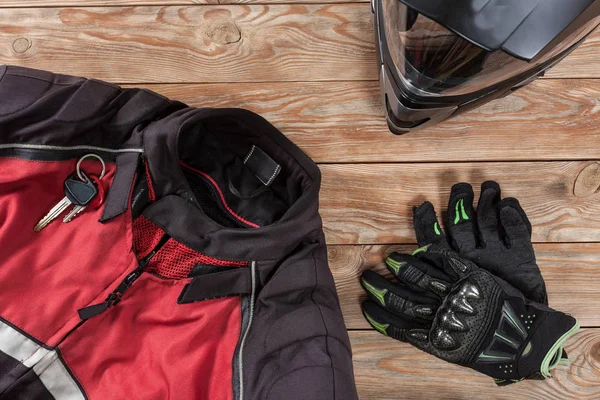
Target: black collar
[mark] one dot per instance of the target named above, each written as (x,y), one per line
(189,225)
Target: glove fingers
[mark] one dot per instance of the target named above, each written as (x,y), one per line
(396,327)
(461,225)
(397,299)
(427,227)
(487,212)
(531,283)
(514,221)
(417,274)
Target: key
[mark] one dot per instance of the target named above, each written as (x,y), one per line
(77,193)
(81,195)
(75,211)
(96,202)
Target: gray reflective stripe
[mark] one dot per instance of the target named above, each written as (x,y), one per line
(251,317)
(36,357)
(45,363)
(57,379)
(67,148)
(19,346)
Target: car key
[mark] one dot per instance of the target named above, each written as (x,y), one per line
(77,192)
(96,202)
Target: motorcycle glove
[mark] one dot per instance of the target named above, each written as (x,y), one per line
(496,236)
(445,305)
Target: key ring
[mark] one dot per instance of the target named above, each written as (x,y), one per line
(100,197)
(91,155)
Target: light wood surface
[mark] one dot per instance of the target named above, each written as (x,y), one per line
(334,122)
(386,369)
(232,43)
(309,67)
(99,3)
(569,269)
(372,203)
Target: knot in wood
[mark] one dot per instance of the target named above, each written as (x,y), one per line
(224,31)
(588,181)
(21,45)
(595,354)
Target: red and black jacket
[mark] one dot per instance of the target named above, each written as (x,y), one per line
(203,276)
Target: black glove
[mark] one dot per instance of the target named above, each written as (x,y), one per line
(447,306)
(496,237)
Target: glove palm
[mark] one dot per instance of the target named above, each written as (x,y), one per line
(496,236)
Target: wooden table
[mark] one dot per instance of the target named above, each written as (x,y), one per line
(309,67)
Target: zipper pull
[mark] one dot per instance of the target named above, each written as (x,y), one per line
(115,297)
(92,311)
(112,299)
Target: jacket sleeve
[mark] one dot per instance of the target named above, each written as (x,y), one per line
(298,348)
(40,107)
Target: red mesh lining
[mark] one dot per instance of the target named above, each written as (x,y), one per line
(146,236)
(175,261)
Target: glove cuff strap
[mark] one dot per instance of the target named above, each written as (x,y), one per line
(553,357)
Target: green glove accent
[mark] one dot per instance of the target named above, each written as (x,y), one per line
(554,356)
(378,294)
(380,327)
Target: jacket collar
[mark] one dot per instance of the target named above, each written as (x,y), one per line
(189,225)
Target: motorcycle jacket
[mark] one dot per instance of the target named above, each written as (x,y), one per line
(199,273)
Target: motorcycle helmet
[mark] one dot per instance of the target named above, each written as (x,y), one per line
(439,58)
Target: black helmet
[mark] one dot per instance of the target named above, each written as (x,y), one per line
(439,58)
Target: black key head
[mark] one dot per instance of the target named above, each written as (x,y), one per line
(78,192)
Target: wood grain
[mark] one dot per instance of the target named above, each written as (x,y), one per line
(108,3)
(337,122)
(238,43)
(570,271)
(386,369)
(97,3)
(372,203)
(195,44)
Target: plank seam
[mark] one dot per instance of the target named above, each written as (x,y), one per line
(415,244)
(182,4)
(455,162)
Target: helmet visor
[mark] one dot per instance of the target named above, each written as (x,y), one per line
(433,61)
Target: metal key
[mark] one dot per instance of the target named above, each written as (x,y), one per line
(77,193)
(75,211)
(96,202)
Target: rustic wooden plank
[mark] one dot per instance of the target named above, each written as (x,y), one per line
(570,271)
(386,369)
(239,43)
(372,203)
(577,60)
(108,3)
(195,44)
(552,119)
(97,3)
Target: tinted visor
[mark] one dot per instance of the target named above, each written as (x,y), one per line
(433,61)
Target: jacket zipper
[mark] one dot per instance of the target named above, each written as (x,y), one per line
(115,296)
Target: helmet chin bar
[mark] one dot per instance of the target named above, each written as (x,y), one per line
(406,111)
(401,117)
